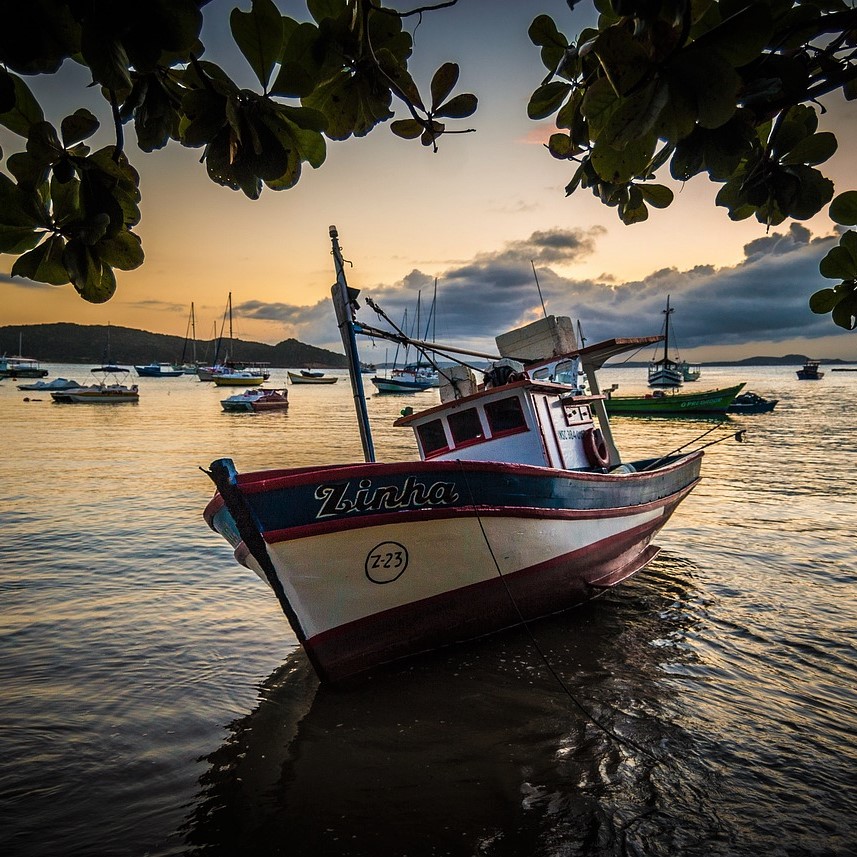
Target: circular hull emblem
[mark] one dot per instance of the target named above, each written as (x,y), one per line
(386,562)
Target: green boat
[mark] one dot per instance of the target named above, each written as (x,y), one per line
(663,402)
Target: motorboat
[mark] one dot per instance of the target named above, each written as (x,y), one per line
(810,371)
(257,400)
(665,403)
(21,367)
(238,378)
(751,403)
(110,390)
(519,506)
(48,386)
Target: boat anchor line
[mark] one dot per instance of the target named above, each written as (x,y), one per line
(610,733)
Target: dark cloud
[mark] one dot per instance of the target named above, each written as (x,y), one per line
(23,282)
(763,298)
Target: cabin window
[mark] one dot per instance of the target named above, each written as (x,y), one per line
(465,426)
(542,374)
(505,415)
(432,437)
(566,372)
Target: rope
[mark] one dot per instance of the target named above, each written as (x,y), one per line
(526,625)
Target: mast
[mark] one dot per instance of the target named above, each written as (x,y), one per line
(667,313)
(193,331)
(345,304)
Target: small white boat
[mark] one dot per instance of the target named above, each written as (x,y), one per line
(21,367)
(690,371)
(307,376)
(520,506)
(109,391)
(257,400)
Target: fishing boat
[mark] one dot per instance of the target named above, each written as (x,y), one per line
(751,403)
(520,506)
(308,376)
(690,371)
(661,402)
(257,400)
(159,370)
(665,372)
(810,371)
(110,390)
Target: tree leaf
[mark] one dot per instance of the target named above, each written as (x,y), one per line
(26,111)
(407,129)
(623,58)
(740,37)
(18,239)
(442,84)
(838,265)
(823,302)
(845,312)
(95,281)
(80,125)
(259,36)
(849,242)
(620,166)
(656,195)
(459,107)
(547,99)
(812,150)
(714,83)
(124,251)
(44,264)
(843,209)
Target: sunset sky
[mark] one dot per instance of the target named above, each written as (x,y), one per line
(475,216)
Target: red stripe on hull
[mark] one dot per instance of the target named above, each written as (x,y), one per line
(484,608)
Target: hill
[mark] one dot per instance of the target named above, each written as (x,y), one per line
(78,343)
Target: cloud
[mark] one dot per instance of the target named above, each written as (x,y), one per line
(762,298)
(23,282)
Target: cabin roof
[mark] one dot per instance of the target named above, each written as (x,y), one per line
(454,404)
(595,356)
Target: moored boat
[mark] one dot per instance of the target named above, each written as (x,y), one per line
(520,506)
(690,371)
(159,370)
(257,400)
(666,373)
(47,386)
(669,404)
(810,371)
(243,378)
(110,390)
(307,376)
(751,403)
(17,366)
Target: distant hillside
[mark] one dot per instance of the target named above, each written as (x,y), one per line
(785,360)
(77,343)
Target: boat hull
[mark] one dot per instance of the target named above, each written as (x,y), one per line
(312,379)
(372,563)
(393,385)
(103,397)
(708,402)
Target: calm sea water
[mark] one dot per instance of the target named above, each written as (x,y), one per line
(153,700)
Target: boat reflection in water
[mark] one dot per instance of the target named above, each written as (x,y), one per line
(421,758)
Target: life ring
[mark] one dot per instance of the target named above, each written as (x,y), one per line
(595,448)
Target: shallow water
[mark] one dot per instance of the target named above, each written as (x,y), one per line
(154,701)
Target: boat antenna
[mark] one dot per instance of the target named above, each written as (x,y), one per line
(345,304)
(544,310)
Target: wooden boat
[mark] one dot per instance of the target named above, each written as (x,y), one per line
(402,381)
(520,506)
(667,403)
(666,373)
(110,390)
(159,370)
(306,376)
(751,403)
(257,400)
(810,371)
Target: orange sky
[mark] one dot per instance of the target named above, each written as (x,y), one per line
(401,208)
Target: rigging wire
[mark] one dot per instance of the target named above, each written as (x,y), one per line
(545,660)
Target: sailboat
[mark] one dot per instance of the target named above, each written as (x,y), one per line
(666,373)
(189,368)
(18,366)
(229,372)
(519,506)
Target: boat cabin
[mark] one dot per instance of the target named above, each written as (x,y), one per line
(539,404)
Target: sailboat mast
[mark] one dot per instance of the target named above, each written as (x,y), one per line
(344,302)
(193,331)
(667,313)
